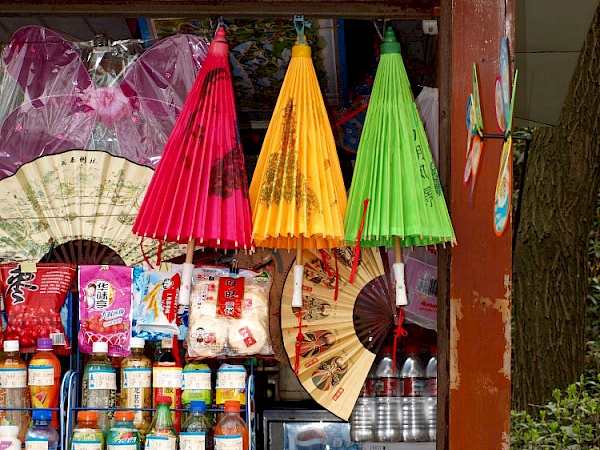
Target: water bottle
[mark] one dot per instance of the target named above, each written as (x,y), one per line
(195,432)
(41,435)
(388,427)
(362,419)
(99,385)
(414,427)
(13,388)
(431,398)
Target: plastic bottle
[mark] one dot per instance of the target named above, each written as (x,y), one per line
(231,432)
(431,394)
(99,385)
(388,427)
(414,427)
(197,384)
(162,434)
(8,437)
(123,435)
(44,378)
(195,432)
(136,385)
(362,420)
(167,379)
(230,384)
(13,388)
(41,435)
(87,435)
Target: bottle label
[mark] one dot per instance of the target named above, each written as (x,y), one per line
(194,379)
(87,445)
(41,375)
(369,388)
(161,443)
(192,440)
(415,387)
(14,378)
(231,379)
(37,444)
(102,379)
(233,442)
(137,378)
(388,387)
(121,446)
(166,377)
(432,387)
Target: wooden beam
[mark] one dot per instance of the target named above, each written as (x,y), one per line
(392,9)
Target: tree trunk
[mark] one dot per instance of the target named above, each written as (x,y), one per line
(550,259)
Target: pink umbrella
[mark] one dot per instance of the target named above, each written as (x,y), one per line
(199,192)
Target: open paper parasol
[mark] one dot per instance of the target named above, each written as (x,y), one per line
(395,198)
(340,336)
(297,192)
(199,193)
(77,195)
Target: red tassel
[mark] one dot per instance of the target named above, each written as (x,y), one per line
(299,338)
(399,332)
(324,258)
(357,246)
(337,278)
(158,254)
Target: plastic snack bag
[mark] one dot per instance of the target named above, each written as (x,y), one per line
(105,308)
(33,295)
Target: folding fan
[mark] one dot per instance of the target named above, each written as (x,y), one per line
(340,337)
(75,195)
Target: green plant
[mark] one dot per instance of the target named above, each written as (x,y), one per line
(570,421)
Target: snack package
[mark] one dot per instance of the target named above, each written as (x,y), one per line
(33,295)
(105,300)
(229,315)
(156,310)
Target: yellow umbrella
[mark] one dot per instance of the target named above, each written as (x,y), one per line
(297,193)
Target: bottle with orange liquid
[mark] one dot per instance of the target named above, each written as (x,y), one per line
(167,378)
(13,389)
(231,432)
(44,378)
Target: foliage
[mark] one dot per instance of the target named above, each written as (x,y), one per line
(570,421)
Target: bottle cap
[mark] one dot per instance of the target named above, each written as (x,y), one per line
(232,406)
(163,400)
(41,414)
(198,405)
(87,416)
(44,344)
(136,342)
(9,430)
(100,347)
(413,349)
(124,415)
(433,349)
(11,346)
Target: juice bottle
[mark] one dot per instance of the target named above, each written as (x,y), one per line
(44,378)
(136,385)
(87,435)
(162,434)
(123,434)
(41,435)
(196,385)
(13,388)
(231,432)
(167,378)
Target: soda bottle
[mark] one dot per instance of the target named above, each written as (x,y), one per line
(387,424)
(87,435)
(167,378)
(413,398)
(195,432)
(231,432)
(123,435)
(136,385)
(13,388)
(99,385)
(44,378)
(161,434)
(8,437)
(431,393)
(41,435)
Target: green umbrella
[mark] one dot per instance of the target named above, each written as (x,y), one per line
(396,198)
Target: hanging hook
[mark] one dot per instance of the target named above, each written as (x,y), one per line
(299,25)
(380,33)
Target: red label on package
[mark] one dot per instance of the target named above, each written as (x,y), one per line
(231,295)
(247,336)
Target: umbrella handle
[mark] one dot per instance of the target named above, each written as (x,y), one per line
(186,283)
(401,297)
(297,294)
